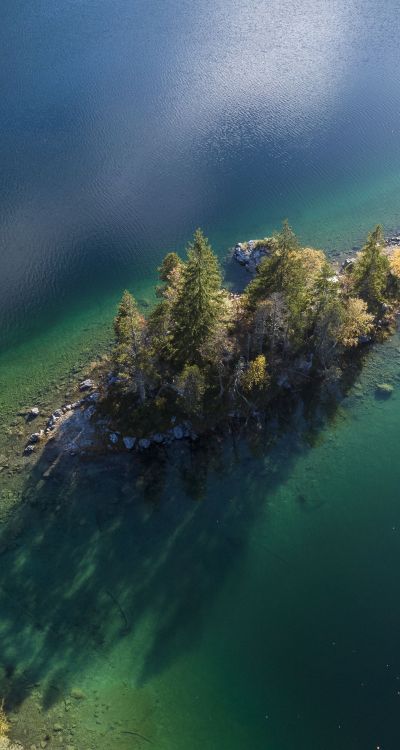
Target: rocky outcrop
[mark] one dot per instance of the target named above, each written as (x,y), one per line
(251,253)
(86,385)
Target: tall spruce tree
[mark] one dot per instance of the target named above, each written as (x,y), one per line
(371,270)
(198,307)
(280,271)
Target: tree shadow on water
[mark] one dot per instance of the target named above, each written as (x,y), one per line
(101,544)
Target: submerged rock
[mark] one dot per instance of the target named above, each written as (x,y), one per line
(158,438)
(72,448)
(144,443)
(78,694)
(384,390)
(113,438)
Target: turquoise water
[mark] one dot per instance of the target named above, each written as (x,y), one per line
(245,596)
(236,597)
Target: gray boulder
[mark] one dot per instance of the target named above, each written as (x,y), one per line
(86,385)
(129,443)
(33,413)
(113,437)
(36,437)
(158,438)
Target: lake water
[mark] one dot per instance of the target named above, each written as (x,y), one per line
(253,604)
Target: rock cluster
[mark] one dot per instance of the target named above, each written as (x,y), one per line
(56,417)
(177,432)
(251,253)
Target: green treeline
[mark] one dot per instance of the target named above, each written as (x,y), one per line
(203,352)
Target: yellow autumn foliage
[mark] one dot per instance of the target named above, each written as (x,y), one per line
(4,722)
(357,322)
(312,262)
(256,375)
(395,262)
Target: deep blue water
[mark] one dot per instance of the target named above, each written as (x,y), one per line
(124,125)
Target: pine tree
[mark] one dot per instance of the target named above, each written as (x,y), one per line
(130,354)
(371,270)
(160,323)
(199,305)
(273,273)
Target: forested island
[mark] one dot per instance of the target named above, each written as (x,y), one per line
(205,355)
(206,358)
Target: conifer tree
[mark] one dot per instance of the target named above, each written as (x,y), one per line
(198,307)
(371,270)
(160,323)
(130,354)
(191,388)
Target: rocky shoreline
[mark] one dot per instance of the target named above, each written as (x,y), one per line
(251,252)
(80,430)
